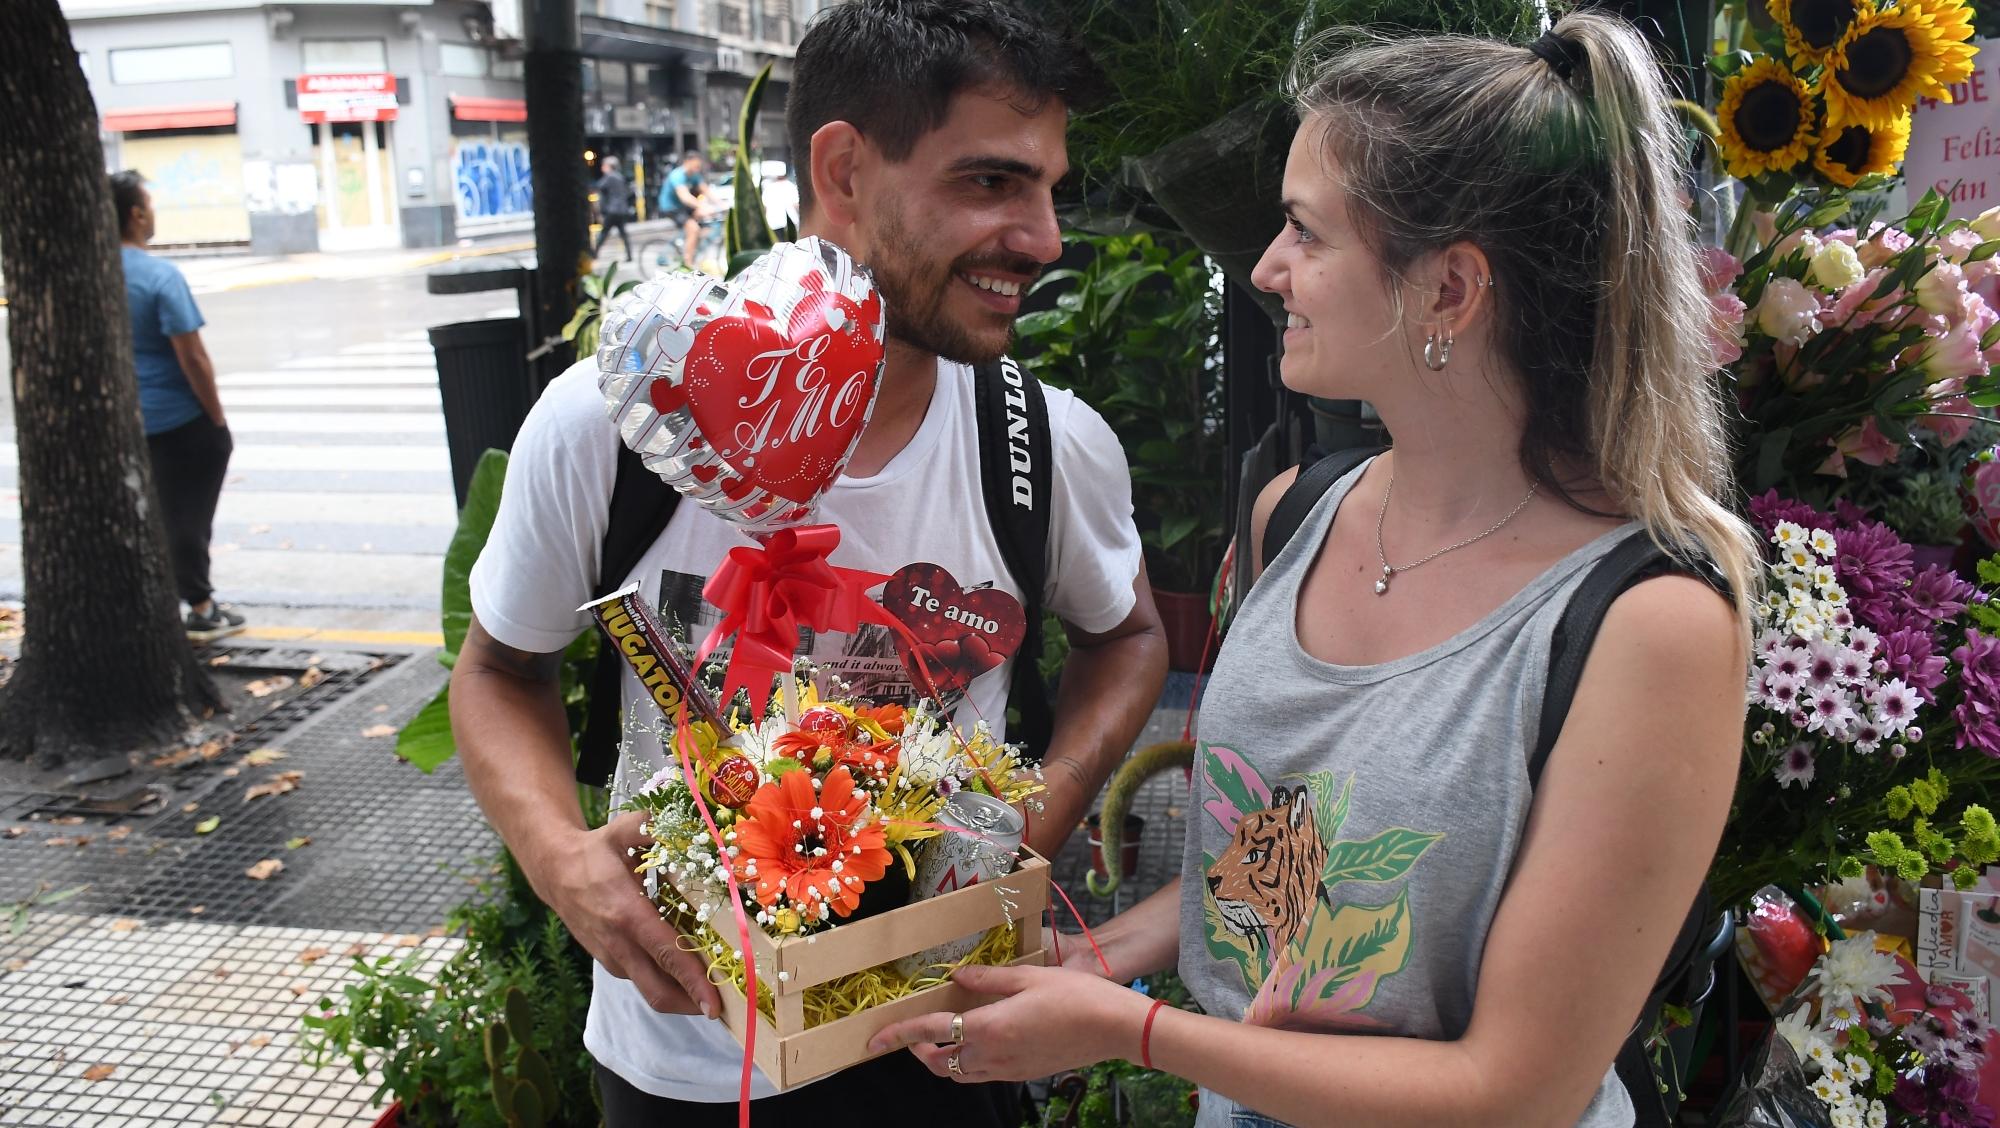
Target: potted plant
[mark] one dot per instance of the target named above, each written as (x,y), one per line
(1134,333)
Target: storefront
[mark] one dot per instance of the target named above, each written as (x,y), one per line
(351,116)
(491,186)
(192,160)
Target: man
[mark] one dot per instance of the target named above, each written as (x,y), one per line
(932,132)
(682,200)
(614,207)
(187,435)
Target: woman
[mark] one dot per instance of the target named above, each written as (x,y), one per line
(1385,923)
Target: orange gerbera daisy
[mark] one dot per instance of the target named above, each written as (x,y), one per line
(843,746)
(810,848)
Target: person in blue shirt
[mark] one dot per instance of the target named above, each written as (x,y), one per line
(682,199)
(186,432)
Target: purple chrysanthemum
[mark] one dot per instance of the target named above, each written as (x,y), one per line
(1773,507)
(1938,593)
(1912,656)
(1873,565)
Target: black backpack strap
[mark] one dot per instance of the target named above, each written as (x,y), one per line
(1016,470)
(1296,504)
(641,506)
(1635,558)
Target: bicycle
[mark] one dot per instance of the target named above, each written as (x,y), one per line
(665,254)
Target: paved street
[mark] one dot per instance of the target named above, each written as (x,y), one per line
(338,504)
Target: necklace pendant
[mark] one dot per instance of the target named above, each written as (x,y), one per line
(1382,585)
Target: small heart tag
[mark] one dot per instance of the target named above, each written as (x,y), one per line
(960,634)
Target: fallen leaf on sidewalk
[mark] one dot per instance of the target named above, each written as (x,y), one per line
(13,832)
(172,759)
(15,964)
(408,941)
(265,687)
(373,731)
(301,840)
(379,709)
(264,870)
(232,771)
(208,824)
(80,840)
(254,529)
(313,955)
(219,660)
(312,677)
(190,808)
(258,1041)
(68,820)
(118,833)
(117,1000)
(356,950)
(436,931)
(99,1072)
(285,781)
(299,990)
(222,973)
(124,924)
(197,910)
(262,756)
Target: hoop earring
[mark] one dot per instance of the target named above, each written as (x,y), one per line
(1437,351)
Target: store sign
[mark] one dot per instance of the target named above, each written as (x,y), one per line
(347,97)
(1955,145)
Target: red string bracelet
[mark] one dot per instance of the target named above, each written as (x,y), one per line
(1146,1035)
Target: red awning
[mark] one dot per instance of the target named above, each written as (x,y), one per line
(473,107)
(193,115)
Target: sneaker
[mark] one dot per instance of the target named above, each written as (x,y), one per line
(220,622)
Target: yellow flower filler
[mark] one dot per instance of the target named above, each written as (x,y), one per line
(1853,151)
(1813,28)
(1766,118)
(1890,58)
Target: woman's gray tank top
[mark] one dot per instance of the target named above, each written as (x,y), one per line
(1353,826)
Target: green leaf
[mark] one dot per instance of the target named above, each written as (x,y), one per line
(1991,337)
(426,741)
(475,524)
(1330,812)
(208,825)
(748,229)
(1385,857)
(1984,251)
(1042,321)
(1174,530)
(1771,458)
(297,843)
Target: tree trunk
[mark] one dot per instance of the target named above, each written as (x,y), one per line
(553,76)
(105,665)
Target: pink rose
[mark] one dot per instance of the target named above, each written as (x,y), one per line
(1788,311)
(1726,330)
(1719,269)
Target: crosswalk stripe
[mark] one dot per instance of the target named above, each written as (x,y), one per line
(332,397)
(331,377)
(337,423)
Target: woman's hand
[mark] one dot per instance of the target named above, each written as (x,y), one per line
(1048,1019)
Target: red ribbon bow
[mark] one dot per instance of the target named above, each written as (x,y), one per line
(766,594)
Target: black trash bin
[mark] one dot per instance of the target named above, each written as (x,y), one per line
(483,383)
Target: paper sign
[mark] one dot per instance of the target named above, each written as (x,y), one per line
(1955,146)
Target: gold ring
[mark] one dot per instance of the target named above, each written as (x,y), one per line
(951,1063)
(958,1030)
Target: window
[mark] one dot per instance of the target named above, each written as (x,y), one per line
(343,56)
(660,13)
(648,83)
(590,76)
(461,60)
(612,85)
(172,64)
(507,68)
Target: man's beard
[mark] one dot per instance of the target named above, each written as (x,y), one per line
(914,293)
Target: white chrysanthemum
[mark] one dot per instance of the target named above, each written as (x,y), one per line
(1829,1090)
(1858,1068)
(929,749)
(1797,1030)
(1822,543)
(1855,973)
(755,741)
(1878,1115)
(1788,533)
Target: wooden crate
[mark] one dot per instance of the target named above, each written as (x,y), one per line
(789,1053)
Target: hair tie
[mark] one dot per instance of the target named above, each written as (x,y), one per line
(1562,55)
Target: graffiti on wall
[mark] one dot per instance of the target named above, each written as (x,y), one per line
(490,180)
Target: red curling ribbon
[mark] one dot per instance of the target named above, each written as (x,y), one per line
(766,594)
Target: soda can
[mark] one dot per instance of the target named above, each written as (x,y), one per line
(981,839)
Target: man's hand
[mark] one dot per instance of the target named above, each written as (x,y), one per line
(596,892)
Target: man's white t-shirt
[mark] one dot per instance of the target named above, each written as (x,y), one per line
(541,562)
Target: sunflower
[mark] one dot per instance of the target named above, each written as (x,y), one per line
(1766,118)
(1888,59)
(1851,152)
(1814,27)
(814,852)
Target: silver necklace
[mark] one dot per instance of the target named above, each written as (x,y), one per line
(1389,570)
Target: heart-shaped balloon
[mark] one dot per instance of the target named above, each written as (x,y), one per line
(960,634)
(747,396)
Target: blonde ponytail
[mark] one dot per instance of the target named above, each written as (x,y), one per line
(1561,163)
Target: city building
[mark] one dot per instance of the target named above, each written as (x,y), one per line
(308,125)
